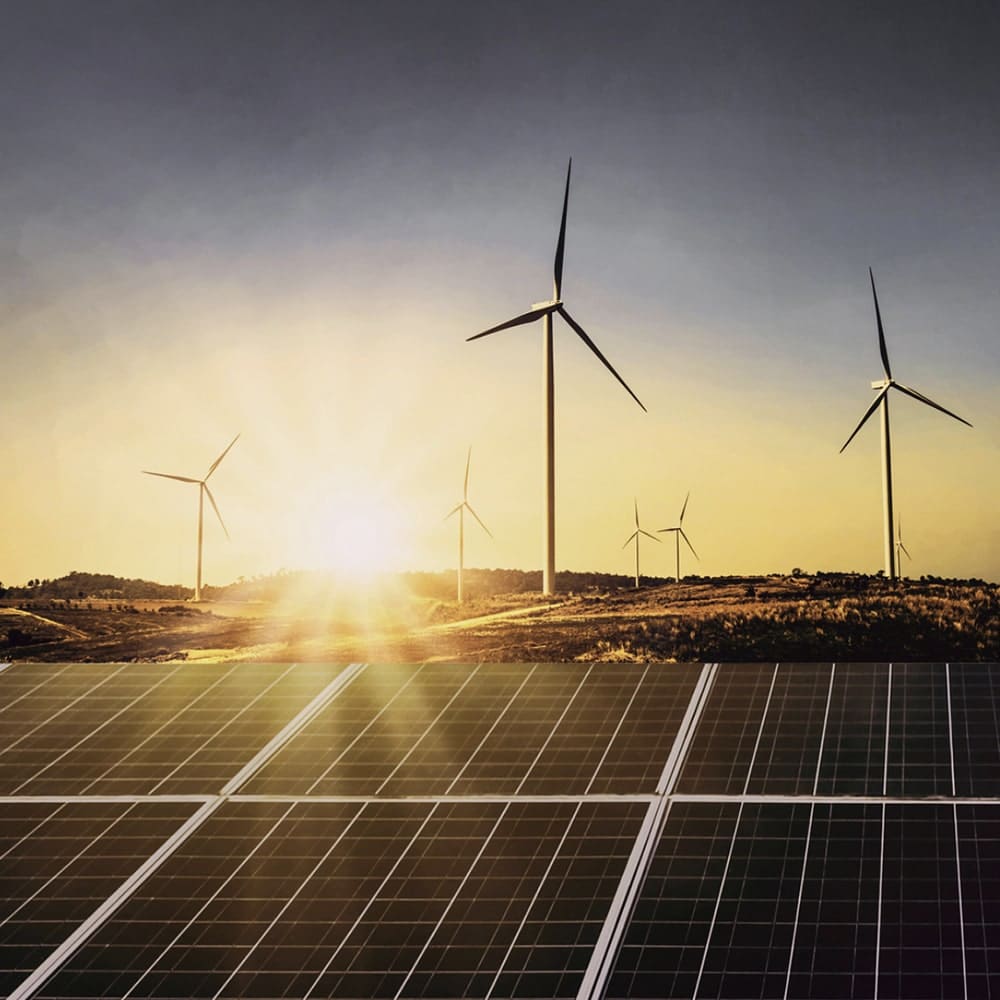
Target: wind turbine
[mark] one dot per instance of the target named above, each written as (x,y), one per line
(460,509)
(203,490)
(635,534)
(882,400)
(678,535)
(544,311)
(900,547)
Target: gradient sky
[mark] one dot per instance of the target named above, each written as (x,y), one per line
(283,219)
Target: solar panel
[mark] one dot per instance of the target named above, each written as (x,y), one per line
(505,830)
(146,728)
(59,861)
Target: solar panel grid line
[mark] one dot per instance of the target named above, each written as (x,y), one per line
(827,799)
(451,902)
(524,919)
(812,813)
(951,736)
(7,706)
(65,708)
(489,732)
(961,907)
(552,731)
(229,722)
(27,836)
(164,725)
(208,902)
(732,844)
(99,728)
(84,930)
(688,727)
(602,960)
(614,735)
(68,864)
(123,797)
(288,903)
(293,726)
(802,883)
(368,726)
(375,894)
(486,798)
(885,763)
(881,888)
(429,727)
(826,721)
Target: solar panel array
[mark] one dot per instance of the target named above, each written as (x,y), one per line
(500,830)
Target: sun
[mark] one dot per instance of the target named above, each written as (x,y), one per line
(358,545)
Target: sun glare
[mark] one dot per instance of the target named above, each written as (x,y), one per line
(358,545)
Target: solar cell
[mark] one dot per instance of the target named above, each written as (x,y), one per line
(979,866)
(975,710)
(921,951)
(792,733)
(836,933)
(918,761)
(853,759)
(719,759)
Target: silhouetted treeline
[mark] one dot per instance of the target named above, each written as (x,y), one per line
(76,586)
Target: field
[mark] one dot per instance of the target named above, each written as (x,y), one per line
(758,619)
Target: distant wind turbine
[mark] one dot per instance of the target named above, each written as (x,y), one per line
(635,535)
(882,400)
(678,531)
(203,490)
(544,311)
(900,547)
(460,509)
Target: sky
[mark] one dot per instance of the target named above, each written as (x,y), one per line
(283,220)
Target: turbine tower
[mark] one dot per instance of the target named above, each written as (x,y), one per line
(678,531)
(544,311)
(635,535)
(900,547)
(882,400)
(460,509)
(203,490)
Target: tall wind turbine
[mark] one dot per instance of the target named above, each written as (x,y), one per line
(678,531)
(882,400)
(203,490)
(544,311)
(460,509)
(900,547)
(635,535)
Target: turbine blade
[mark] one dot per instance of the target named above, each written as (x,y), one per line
(689,545)
(902,548)
(468,459)
(581,333)
(636,505)
(479,519)
(930,402)
(684,508)
(215,507)
(630,537)
(648,535)
(528,317)
(881,332)
(871,409)
(166,475)
(661,530)
(454,510)
(561,244)
(215,464)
